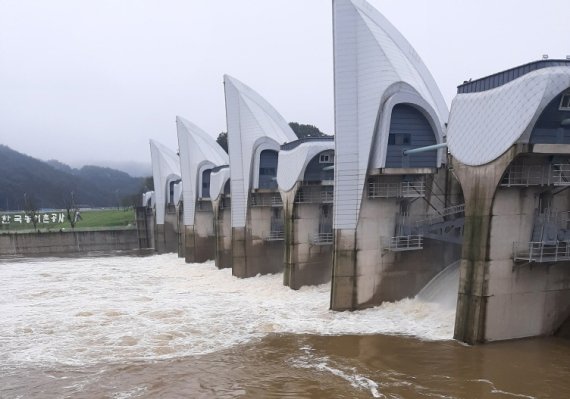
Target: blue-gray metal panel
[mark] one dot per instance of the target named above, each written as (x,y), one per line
(548,129)
(314,171)
(268,169)
(206,183)
(407,120)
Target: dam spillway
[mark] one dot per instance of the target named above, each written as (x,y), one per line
(409,186)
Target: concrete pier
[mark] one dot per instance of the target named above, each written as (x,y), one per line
(200,240)
(258,248)
(305,180)
(223,233)
(498,297)
(181,231)
(308,252)
(166,235)
(373,263)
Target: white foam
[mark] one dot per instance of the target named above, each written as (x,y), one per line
(443,288)
(80,311)
(323,364)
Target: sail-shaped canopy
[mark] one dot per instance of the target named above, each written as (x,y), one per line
(165,169)
(198,152)
(253,126)
(375,68)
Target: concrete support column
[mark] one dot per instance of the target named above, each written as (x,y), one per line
(189,245)
(170,232)
(181,231)
(479,184)
(239,258)
(343,285)
(306,263)
(252,252)
(159,239)
(150,226)
(288,199)
(222,233)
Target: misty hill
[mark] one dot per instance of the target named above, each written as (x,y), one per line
(51,183)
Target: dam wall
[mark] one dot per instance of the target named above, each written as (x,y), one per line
(67,242)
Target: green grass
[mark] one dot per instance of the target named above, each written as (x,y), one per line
(91,219)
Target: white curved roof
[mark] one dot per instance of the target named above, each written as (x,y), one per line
(149,195)
(252,122)
(292,163)
(165,168)
(197,150)
(218,180)
(483,125)
(371,61)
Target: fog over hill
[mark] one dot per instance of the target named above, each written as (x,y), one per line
(52,184)
(133,168)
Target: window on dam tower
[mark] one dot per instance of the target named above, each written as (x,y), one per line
(268,169)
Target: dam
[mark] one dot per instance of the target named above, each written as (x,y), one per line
(418,246)
(405,188)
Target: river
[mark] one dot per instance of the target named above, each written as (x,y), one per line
(147,327)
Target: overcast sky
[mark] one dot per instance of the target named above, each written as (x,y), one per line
(92,81)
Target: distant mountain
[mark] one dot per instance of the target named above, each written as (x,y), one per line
(302,130)
(61,166)
(51,184)
(135,169)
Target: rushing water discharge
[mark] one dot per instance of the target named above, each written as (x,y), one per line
(130,327)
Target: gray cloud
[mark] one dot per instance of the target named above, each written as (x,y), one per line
(84,81)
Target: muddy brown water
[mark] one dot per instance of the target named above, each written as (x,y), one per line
(304,366)
(121,327)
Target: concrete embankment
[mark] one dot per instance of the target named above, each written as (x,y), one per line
(67,242)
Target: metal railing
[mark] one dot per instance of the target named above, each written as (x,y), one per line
(436,217)
(541,252)
(277,235)
(404,243)
(557,174)
(406,189)
(266,200)
(318,195)
(322,238)
(561,174)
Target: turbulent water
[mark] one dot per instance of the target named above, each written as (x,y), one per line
(443,288)
(127,327)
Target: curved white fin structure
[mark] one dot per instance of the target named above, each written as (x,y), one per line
(218,180)
(253,124)
(148,199)
(293,163)
(372,63)
(198,151)
(165,168)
